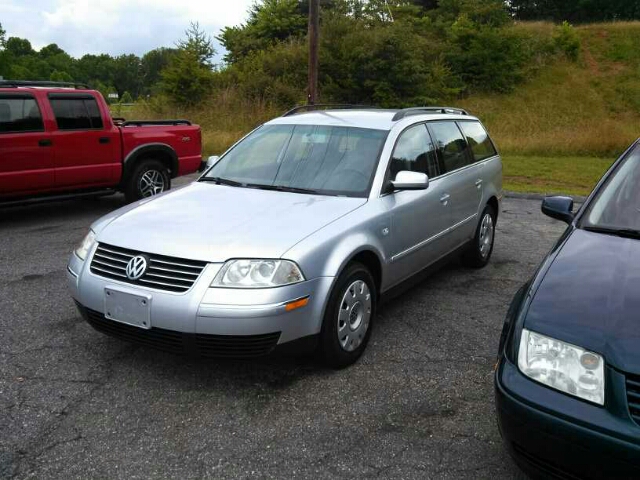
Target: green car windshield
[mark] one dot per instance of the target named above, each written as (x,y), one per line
(304,158)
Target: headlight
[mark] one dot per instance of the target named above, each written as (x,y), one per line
(86,245)
(562,366)
(257,274)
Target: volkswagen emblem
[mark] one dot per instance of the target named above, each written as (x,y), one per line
(136,267)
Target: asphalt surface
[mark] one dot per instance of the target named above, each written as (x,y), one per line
(419,404)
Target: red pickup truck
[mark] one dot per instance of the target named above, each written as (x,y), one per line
(59,139)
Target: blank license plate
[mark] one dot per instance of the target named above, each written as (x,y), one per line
(127,308)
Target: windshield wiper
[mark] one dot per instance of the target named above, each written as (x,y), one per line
(221,181)
(282,188)
(620,232)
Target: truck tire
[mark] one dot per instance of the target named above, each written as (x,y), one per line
(148,178)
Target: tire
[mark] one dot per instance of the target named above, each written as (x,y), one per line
(344,336)
(148,178)
(480,249)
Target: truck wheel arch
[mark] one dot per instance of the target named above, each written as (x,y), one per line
(158,151)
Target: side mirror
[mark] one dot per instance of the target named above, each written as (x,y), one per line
(406,180)
(560,208)
(212,160)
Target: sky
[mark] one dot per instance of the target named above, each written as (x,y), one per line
(116,26)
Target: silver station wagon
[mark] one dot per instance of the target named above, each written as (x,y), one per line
(288,241)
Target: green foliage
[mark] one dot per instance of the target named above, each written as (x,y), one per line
(18,46)
(126,98)
(269,22)
(57,76)
(3,34)
(152,63)
(575,11)
(488,59)
(567,41)
(199,44)
(188,76)
(185,81)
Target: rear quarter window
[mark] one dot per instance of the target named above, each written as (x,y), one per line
(478,139)
(20,114)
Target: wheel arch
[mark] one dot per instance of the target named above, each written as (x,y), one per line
(493,203)
(157,151)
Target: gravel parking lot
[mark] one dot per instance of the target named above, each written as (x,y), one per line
(419,404)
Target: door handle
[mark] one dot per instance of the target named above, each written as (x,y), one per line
(104,140)
(444,199)
(45,142)
(479,183)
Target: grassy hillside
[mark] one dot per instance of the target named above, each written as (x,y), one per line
(558,132)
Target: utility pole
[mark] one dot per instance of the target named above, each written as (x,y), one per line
(314,33)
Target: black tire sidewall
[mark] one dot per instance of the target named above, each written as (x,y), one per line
(332,352)
(132,191)
(474,257)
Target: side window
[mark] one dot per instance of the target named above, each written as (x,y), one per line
(414,152)
(76,113)
(478,139)
(20,114)
(451,145)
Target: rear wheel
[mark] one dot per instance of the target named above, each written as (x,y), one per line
(348,319)
(149,178)
(479,252)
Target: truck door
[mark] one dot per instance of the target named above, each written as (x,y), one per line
(26,157)
(86,151)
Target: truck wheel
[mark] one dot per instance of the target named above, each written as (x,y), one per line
(148,178)
(348,319)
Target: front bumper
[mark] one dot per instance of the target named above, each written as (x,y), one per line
(551,435)
(205,314)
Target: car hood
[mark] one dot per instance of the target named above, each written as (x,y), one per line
(214,223)
(590,297)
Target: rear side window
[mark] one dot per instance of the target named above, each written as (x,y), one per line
(20,114)
(450,144)
(414,152)
(478,140)
(76,113)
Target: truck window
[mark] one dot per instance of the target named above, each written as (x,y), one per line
(74,113)
(19,113)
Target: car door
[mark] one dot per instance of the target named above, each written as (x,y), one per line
(419,218)
(86,151)
(462,177)
(26,160)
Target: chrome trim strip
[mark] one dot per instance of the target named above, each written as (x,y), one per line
(431,239)
(74,274)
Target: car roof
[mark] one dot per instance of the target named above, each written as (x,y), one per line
(374,118)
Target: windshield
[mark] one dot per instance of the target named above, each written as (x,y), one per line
(617,206)
(304,158)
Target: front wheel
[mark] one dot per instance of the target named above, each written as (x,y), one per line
(479,252)
(149,178)
(348,319)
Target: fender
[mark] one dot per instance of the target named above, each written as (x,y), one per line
(148,149)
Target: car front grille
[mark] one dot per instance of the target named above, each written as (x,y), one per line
(163,273)
(199,345)
(633,396)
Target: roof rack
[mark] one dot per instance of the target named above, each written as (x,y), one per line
(405,112)
(322,106)
(43,83)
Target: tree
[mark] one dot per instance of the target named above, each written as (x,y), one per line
(126,74)
(18,47)
(126,98)
(186,81)
(199,44)
(3,34)
(269,22)
(57,76)
(575,11)
(152,64)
